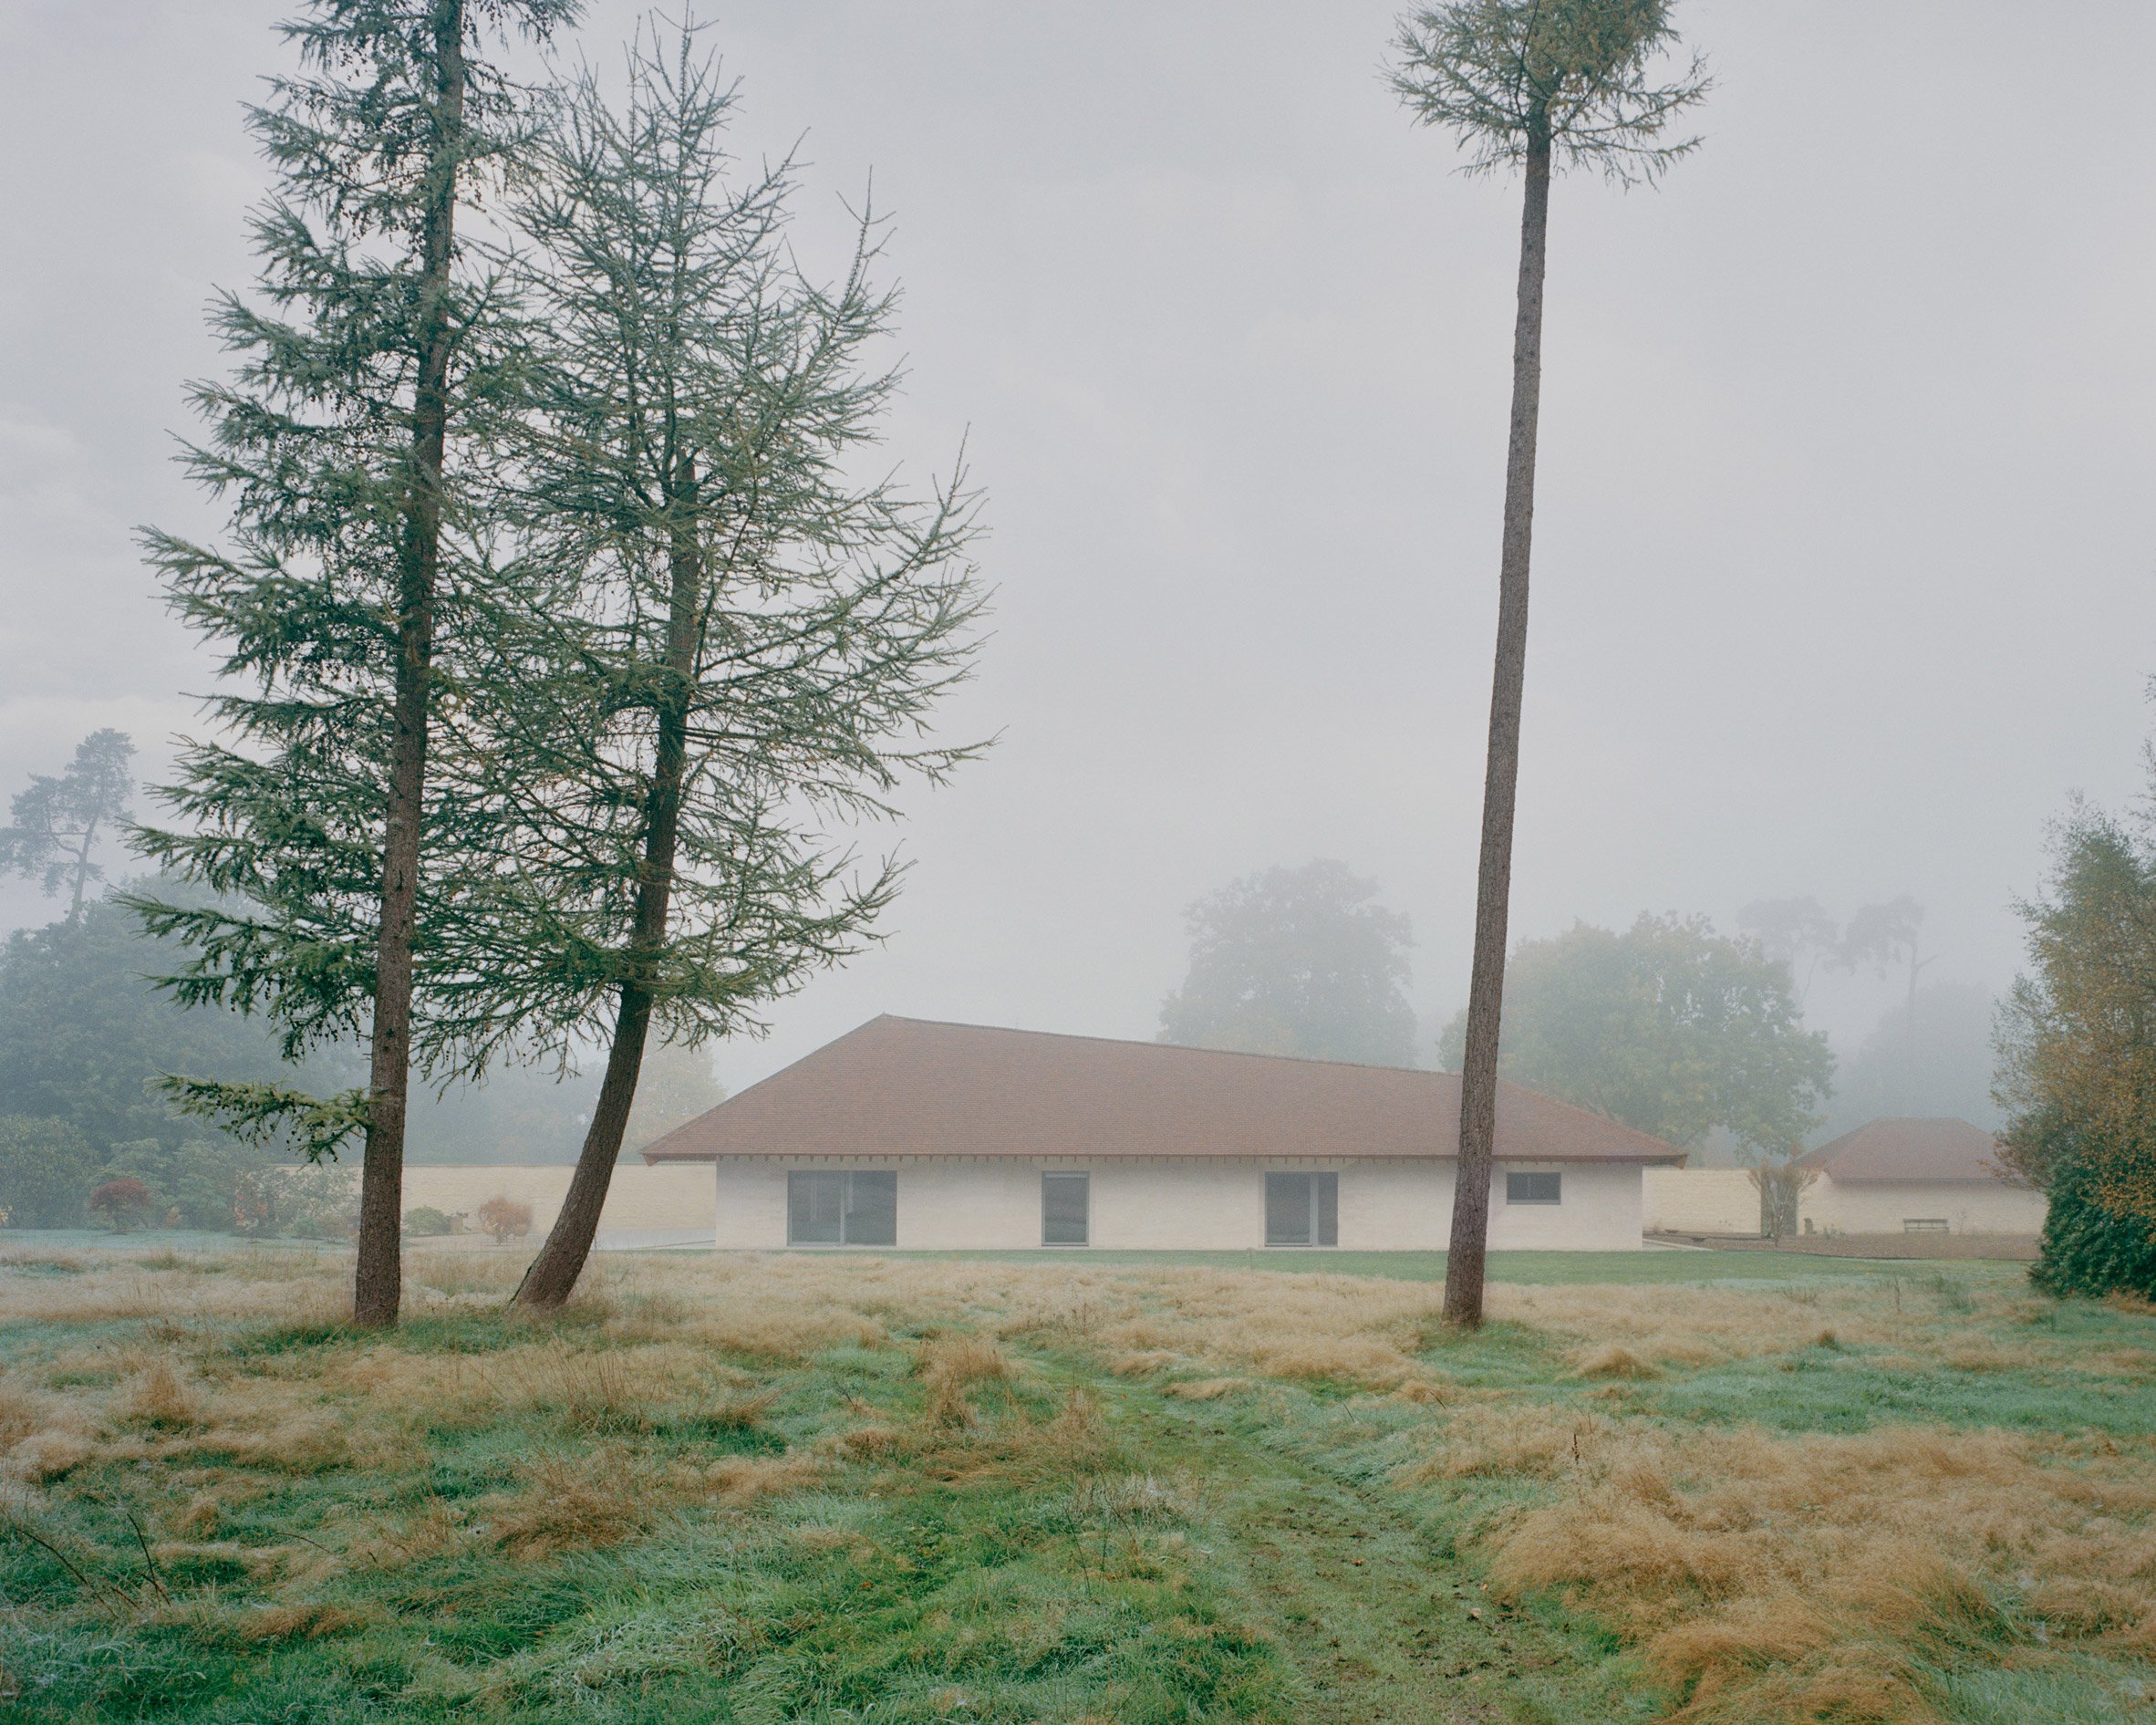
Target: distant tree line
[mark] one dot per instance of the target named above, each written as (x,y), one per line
(1668,1027)
(86,1037)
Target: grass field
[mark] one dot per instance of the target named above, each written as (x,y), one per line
(1716,1487)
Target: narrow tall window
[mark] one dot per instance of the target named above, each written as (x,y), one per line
(1066,1209)
(842,1210)
(1302,1210)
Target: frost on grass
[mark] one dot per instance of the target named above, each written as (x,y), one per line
(1762,1576)
(1771,1577)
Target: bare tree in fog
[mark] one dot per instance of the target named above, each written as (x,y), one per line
(1797,931)
(1526,82)
(1879,937)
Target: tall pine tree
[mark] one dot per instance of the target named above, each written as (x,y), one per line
(1542,85)
(374,361)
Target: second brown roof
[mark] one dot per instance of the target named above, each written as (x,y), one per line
(1908,1149)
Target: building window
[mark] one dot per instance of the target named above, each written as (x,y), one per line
(1533,1188)
(1302,1210)
(1066,1206)
(842,1210)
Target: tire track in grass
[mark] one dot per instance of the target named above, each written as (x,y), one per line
(1378,1625)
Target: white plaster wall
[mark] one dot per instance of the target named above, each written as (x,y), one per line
(1880,1206)
(1394,1207)
(1193,1206)
(1701,1201)
(751,1199)
(969,1206)
(642,1199)
(1600,1212)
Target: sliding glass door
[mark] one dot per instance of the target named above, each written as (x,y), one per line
(842,1208)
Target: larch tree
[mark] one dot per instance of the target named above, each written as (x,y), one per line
(374,361)
(746,636)
(1540,85)
(55,825)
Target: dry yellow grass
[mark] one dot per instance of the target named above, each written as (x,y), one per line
(1771,1577)
(217,1626)
(1790,1577)
(575,1503)
(1207,1388)
(1510,1436)
(951,1367)
(740,1481)
(1612,1359)
(157,1398)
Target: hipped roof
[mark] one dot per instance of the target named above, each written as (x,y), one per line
(1922,1150)
(913,1087)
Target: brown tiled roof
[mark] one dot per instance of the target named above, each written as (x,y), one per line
(908,1086)
(1926,1150)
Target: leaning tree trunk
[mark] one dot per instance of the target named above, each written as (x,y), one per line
(553,1273)
(378,1277)
(1486,988)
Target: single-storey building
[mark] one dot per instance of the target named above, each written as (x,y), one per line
(911,1134)
(1916,1176)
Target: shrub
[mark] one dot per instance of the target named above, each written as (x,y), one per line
(204,1178)
(45,1167)
(506,1219)
(2089,1249)
(120,1203)
(423,1220)
(321,1202)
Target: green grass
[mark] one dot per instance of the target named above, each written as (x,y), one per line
(487,1518)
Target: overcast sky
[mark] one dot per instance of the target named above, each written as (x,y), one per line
(1845,569)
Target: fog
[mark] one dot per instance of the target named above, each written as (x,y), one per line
(1844,539)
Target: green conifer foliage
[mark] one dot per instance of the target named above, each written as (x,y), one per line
(373,366)
(751,619)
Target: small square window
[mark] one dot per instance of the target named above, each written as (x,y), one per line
(1533,1188)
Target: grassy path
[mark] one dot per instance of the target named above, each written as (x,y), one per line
(1370,1622)
(1379,1624)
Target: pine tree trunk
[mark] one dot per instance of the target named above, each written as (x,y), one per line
(378,1280)
(1486,988)
(553,1272)
(82,863)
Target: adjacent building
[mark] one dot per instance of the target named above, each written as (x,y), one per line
(910,1134)
(1916,1176)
